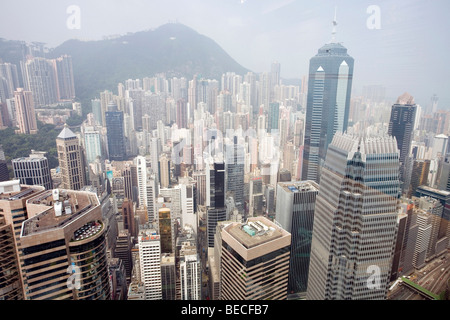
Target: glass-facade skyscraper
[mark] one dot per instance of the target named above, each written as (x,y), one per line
(328,103)
(355,219)
(115,133)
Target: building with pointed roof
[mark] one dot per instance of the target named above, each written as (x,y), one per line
(71,161)
(328,103)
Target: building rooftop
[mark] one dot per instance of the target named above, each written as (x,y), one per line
(66,133)
(56,208)
(256,231)
(299,186)
(13,190)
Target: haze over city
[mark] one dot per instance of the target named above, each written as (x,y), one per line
(407,53)
(237,151)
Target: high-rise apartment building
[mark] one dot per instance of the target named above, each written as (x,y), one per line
(64,229)
(65,79)
(401,126)
(328,103)
(71,161)
(33,170)
(254,260)
(295,213)
(41,78)
(25,114)
(355,219)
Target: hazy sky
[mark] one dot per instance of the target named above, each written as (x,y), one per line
(406,49)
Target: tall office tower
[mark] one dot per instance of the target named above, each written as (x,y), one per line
(164,171)
(256,196)
(33,170)
(402,262)
(295,213)
(93,145)
(155,152)
(150,263)
(434,209)
(4,173)
(401,126)
(168,276)
(71,160)
(443,179)
(419,175)
(65,80)
(190,271)
(65,228)
(409,239)
(40,78)
(25,115)
(182,113)
(440,144)
(10,281)
(115,133)
(298,132)
(355,219)
(123,252)
(270,199)
(141,174)
(234,168)
(254,260)
(129,217)
(328,103)
(9,81)
(165,229)
(188,206)
(273,116)
(444,217)
(97,111)
(118,281)
(152,191)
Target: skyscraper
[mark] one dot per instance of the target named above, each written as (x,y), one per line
(234,168)
(33,170)
(254,260)
(25,114)
(115,133)
(67,225)
(401,126)
(328,103)
(355,219)
(150,263)
(71,160)
(295,213)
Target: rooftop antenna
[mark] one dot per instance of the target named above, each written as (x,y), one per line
(333,39)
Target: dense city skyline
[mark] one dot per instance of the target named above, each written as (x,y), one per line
(404,52)
(180,185)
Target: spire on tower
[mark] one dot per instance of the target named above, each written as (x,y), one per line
(333,39)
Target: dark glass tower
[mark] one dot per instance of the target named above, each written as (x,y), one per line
(401,126)
(329,92)
(295,213)
(115,133)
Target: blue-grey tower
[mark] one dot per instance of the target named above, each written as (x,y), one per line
(115,133)
(328,103)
